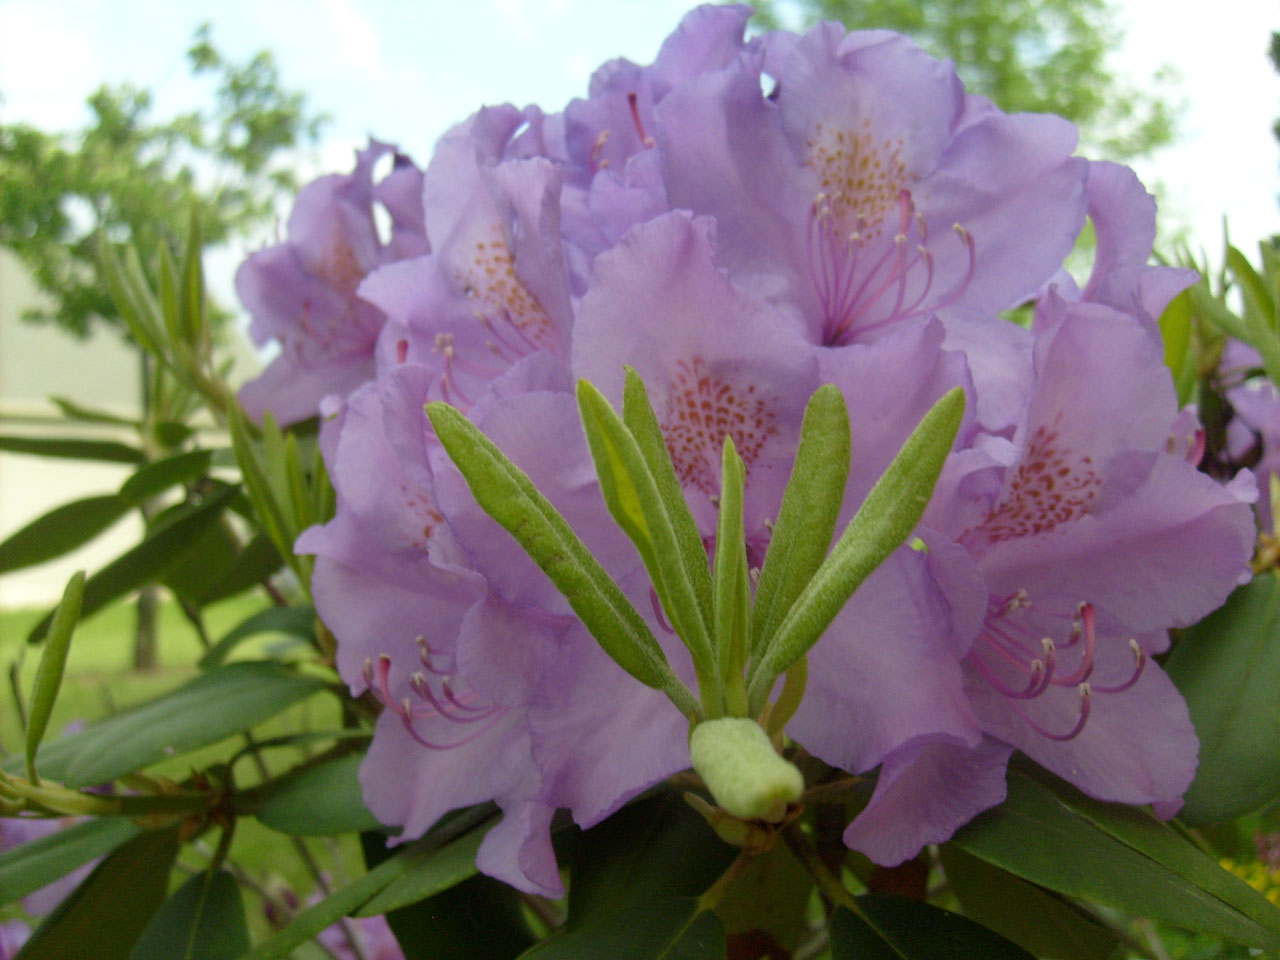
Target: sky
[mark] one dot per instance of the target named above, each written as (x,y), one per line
(405,72)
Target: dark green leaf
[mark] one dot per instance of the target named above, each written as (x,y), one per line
(216,704)
(108,450)
(1228,668)
(479,919)
(664,930)
(446,867)
(60,531)
(294,621)
(655,849)
(255,562)
(148,561)
(170,434)
(159,476)
(508,495)
(345,901)
(321,801)
(52,662)
(203,920)
(77,411)
(33,865)
(1041,921)
(810,509)
(883,521)
(1117,857)
(110,909)
(768,904)
(202,562)
(899,928)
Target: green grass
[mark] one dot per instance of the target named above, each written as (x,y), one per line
(100,680)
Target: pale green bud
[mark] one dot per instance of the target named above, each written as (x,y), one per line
(744,773)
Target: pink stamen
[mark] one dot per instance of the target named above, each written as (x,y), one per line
(402,351)
(1140,661)
(1086,702)
(1085,670)
(633,103)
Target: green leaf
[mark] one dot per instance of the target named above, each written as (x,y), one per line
(148,561)
(768,904)
(33,865)
(294,621)
(324,800)
(654,849)
(343,902)
(258,487)
(1175,331)
(159,476)
(253,565)
(76,411)
(108,450)
(113,905)
(732,588)
(1117,857)
(507,494)
(810,509)
(885,519)
(1259,312)
(1041,921)
(216,704)
(899,928)
(60,531)
(1215,311)
(1228,668)
(674,929)
(640,419)
(52,662)
(479,919)
(1253,289)
(631,494)
(447,867)
(203,920)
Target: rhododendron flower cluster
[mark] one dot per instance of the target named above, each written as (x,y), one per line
(741,222)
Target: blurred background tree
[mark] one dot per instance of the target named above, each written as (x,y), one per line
(1026,55)
(135,179)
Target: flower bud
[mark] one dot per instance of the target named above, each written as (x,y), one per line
(744,773)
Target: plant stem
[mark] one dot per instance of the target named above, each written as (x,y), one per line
(827,882)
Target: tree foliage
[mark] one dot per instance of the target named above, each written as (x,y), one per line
(136,178)
(1045,56)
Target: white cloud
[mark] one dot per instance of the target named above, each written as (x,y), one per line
(47,66)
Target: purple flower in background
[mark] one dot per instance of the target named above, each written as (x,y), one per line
(13,934)
(303,293)
(1256,424)
(373,935)
(14,832)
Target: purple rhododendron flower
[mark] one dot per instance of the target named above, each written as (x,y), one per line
(303,293)
(861,223)
(13,934)
(14,832)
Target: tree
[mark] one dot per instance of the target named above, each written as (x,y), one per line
(1033,55)
(136,179)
